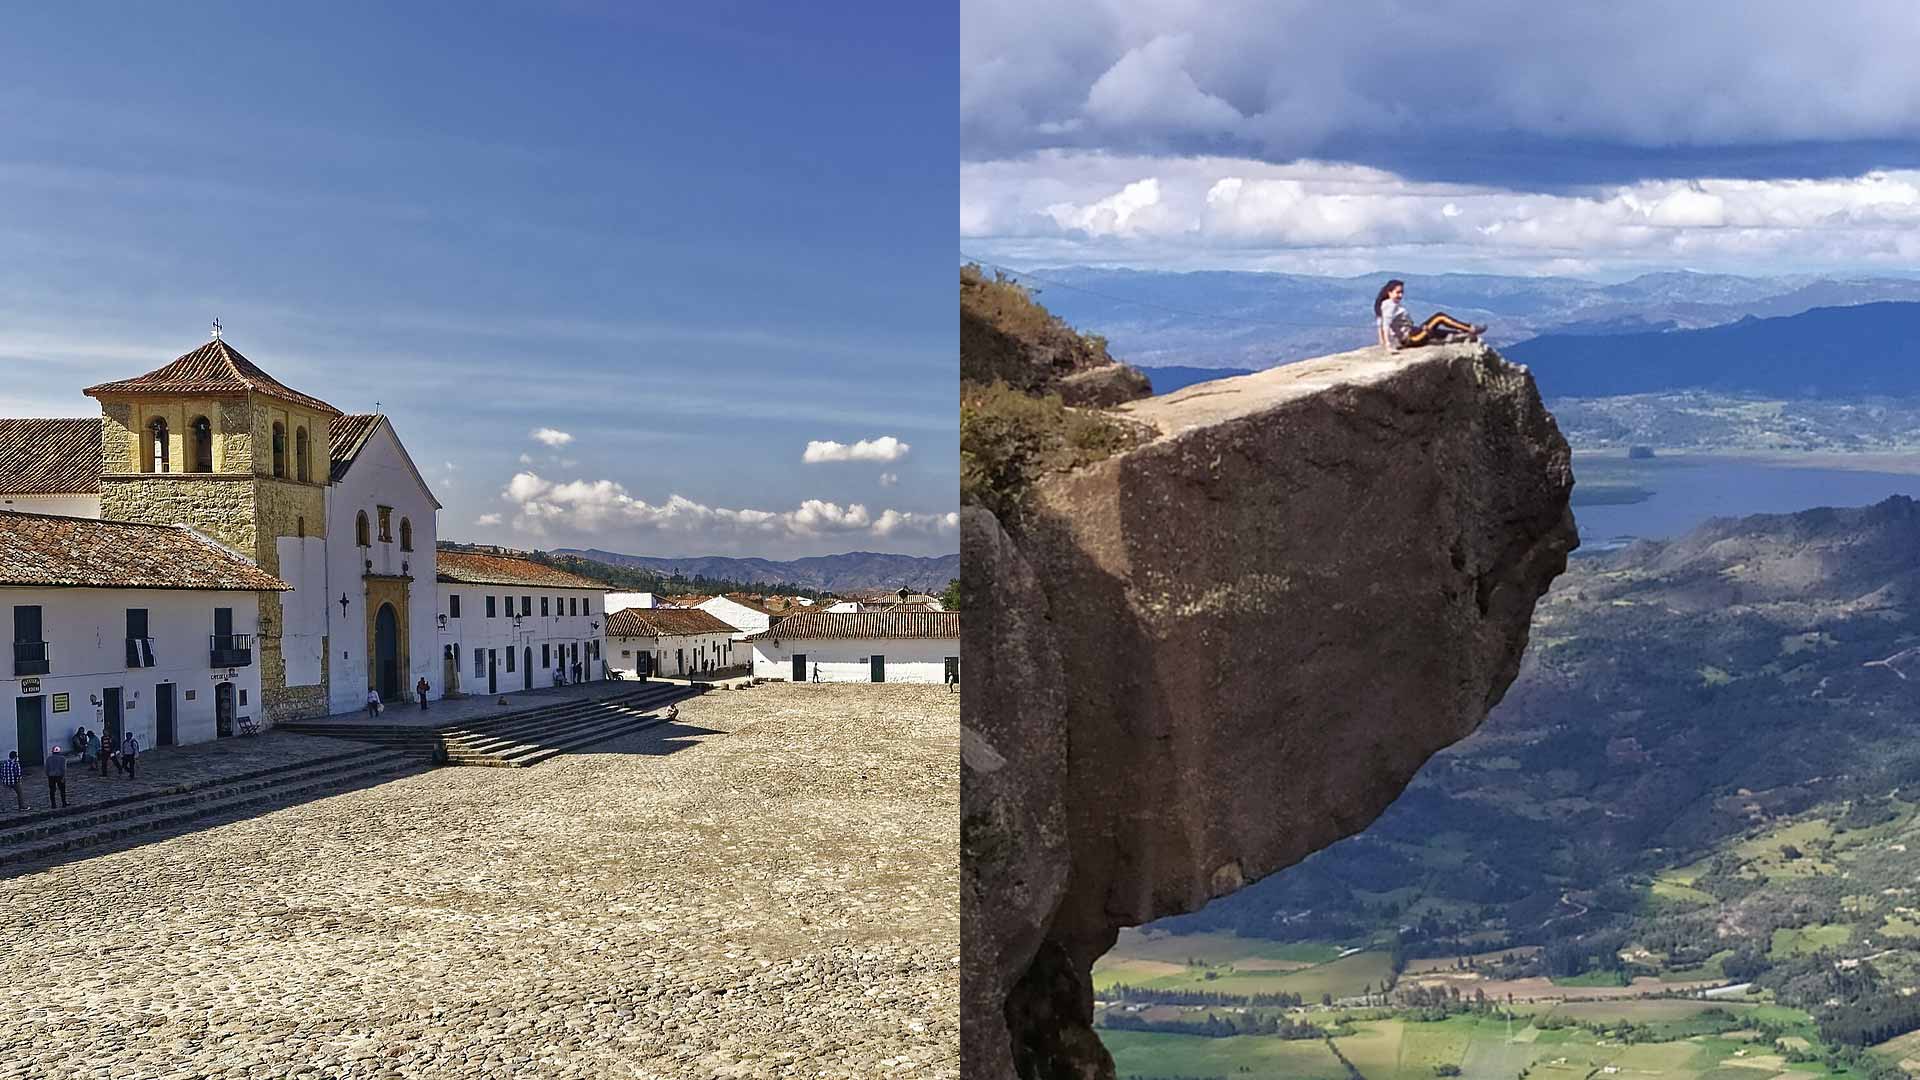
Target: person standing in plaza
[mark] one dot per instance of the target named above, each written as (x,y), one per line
(102,751)
(129,750)
(56,777)
(10,777)
(420,688)
(373,704)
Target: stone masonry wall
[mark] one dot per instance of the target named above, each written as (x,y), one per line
(216,504)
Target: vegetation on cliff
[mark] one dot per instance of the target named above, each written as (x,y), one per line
(1014,424)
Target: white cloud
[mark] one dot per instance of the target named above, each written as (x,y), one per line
(888,479)
(487,519)
(884,448)
(600,505)
(450,466)
(526,459)
(552,437)
(1062,206)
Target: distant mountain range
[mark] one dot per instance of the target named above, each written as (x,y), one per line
(834,573)
(1862,350)
(1239,319)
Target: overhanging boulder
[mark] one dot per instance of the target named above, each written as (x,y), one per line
(1266,620)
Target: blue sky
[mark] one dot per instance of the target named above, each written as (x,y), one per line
(1500,136)
(693,239)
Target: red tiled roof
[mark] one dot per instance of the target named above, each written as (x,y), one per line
(43,550)
(691,600)
(346,434)
(816,625)
(474,568)
(50,457)
(214,368)
(663,622)
(750,603)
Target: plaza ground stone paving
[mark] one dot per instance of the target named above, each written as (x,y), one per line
(768,888)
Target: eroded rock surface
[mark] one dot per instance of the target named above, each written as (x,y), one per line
(1104,386)
(1266,620)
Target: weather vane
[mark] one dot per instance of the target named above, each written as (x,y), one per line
(216,328)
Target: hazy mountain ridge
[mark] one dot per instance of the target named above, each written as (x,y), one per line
(1256,320)
(851,570)
(1862,349)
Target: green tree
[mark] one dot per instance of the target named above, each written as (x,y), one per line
(951,598)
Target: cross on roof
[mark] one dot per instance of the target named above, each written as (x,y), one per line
(216,328)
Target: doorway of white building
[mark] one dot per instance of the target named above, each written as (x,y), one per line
(878,665)
(115,714)
(163,733)
(222,710)
(799,667)
(30,725)
(493,671)
(526,666)
(386,653)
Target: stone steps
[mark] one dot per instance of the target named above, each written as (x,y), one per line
(540,745)
(530,743)
(91,826)
(32,817)
(520,738)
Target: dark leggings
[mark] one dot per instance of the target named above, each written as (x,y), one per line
(1438,327)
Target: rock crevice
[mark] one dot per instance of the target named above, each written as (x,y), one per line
(1207,657)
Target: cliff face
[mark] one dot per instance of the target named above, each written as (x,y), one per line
(1208,656)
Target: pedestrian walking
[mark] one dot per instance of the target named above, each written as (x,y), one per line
(56,776)
(129,750)
(373,704)
(10,777)
(421,689)
(816,673)
(101,751)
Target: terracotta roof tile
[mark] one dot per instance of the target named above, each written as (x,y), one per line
(476,568)
(50,457)
(346,434)
(42,550)
(816,625)
(663,622)
(751,603)
(213,368)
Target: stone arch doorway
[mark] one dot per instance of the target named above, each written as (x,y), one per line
(386,653)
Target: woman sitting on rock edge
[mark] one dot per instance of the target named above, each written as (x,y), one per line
(1397,330)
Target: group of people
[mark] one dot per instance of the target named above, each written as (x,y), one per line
(375,706)
(90,749)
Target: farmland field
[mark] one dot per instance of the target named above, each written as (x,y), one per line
(1480,1046)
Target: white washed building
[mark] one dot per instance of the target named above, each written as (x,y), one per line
(380,556)
(155,622)
(896,646)
(744,615)
(670,643)
(510,623)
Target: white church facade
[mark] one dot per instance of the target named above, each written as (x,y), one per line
(325,504)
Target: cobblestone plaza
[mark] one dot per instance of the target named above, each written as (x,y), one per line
(766,888)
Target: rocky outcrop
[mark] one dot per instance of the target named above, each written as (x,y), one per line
(1104,386)
(1206,657)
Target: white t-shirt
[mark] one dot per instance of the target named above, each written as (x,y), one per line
(1394,321)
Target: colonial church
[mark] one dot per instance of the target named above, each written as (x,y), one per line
(327,502)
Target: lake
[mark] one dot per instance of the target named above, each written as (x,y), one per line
(1669,496)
